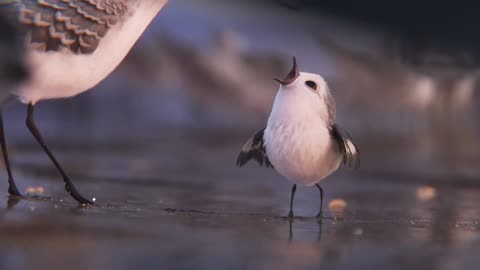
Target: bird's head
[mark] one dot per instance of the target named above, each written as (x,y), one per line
(304,92)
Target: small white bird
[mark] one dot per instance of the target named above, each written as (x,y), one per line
(70,46)
(301,141)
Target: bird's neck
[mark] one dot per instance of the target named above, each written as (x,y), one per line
(288,110)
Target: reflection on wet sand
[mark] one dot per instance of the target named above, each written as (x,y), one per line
(237,224)
(213,210)
(290,229)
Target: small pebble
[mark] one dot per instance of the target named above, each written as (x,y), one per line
(35,190)
(426,193)
(337,204)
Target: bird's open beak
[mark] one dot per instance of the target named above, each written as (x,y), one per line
(291,76)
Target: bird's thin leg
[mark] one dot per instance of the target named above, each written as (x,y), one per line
(12,188)
(292,196)
(36,133)
(321,200)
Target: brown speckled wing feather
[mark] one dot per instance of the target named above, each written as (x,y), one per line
(254,149)
(76,25)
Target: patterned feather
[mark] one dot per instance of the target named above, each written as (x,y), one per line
(75,25)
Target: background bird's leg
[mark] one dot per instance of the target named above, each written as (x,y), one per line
(321,200)
(36,133)
(292,196)
(12,188)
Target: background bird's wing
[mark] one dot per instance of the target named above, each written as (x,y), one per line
(77,25)
(350,153)
(254,149)
(13,68)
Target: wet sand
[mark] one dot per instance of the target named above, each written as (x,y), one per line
(182,204)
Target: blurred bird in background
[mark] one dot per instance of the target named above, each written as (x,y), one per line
(72,45)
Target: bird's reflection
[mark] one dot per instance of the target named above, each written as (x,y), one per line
(320,224)
(290,232)
(290,229)
(12,201)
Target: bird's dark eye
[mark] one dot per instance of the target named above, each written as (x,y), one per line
(311,84)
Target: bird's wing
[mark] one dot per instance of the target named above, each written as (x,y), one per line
(13,68)
(254,149)
(350,153)
(75,25)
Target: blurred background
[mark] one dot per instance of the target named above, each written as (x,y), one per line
(405,89)
(157,142)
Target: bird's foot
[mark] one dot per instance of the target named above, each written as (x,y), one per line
(12,201)
(79,198)
(290,215)
(13,190)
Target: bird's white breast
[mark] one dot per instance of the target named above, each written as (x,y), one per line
(63,74)
(302,154)
(298,141)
